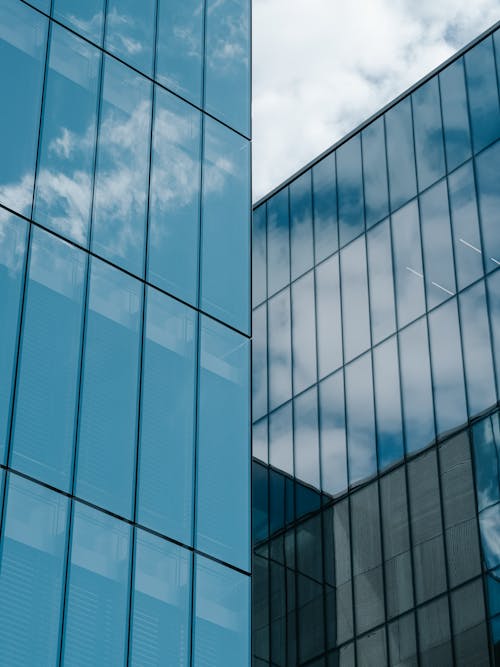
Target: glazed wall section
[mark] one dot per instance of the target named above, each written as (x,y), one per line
(124,349)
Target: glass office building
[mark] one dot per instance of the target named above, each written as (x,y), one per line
(376,376)
(124,337)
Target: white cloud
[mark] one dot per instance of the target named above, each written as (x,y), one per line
(320,68)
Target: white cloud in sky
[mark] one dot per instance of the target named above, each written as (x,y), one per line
(321,67)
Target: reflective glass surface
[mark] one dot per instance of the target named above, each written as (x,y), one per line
(487,166)
(429,149)
(483,94)
(400,154)
(301,225)
(259,255)
(306,441)
(86,17)
(375,172)
(281,439)
(493,291)
(303,333)
(325,207)
(380,272)
(355,308)
(259,362)
(130,31)
(279,349)
(332,434)
(328,317)
(278,242)
(457,137)
(350,190)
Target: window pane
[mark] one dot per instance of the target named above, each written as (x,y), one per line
(259,362)
(469,627)
(44,426)
(434,634)
(486,439)
(494,312)
(122,175)
(350,190)
(455,114)
(86,17)
(400,154)
(279,349)
(489,524)
(325,207)
(329,322)
(301,233)
(259,440)
(23,37)
(488,166)
(375,172)
(174,200)
(343,571)
(166,452)
(223,493)
(306,441)
(428,133)
(355,311)
(97,593)
(130,28)
(382,309)
(278,242)
(402,642)
(225,282)
(333,436)
(281,439)
(483,94)
(108,404)
(371,649)
(66,160)
(13,234)
(161,602)
(303,333)
(31,574)
(259,255)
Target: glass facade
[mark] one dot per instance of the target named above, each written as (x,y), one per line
(125,338)
(376,301)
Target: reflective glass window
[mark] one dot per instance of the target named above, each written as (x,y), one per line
(382,307)
(122,174)
(23,38)
(402,641)
(469,627)
(161,602)
(434,634)
(400,154)
(416,386)
(32,574)
(179,47)
(343,570)
(303,333)
(108,404)
(86,17)
(465,225)
(333,451)
(355,310)
(483,94)
(361,446)
(259,362)
(223,479)
(130,31)
(278,242)
(325,207)
(493,283)
(281,439)
(328,317)
(66,160)
(455,114)
(375,172)
(279,349)
(408,270)
(227,62)
(301,232)
(166,443)
(260,503)
(350,190)
(478,361)
(429,147)
(489,525)
(306,440)
(487,169)
(97,593)
(44,5)
(259,255)
(174,199)
(13,234)
(260,441)
(44,425)
(486,439)
(388,403)
(225,262)
(221,615)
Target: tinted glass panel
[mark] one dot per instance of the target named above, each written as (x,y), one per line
(486,439)
(400,155)
(483,94)
(281,439)
(325,207)
(306,441)
(434,634)
(130,31)
(260,440)
(259,362)
(375,172)
(402,642)
(493,284)
(350,190)
(355,311)
(328,317)
(382,309)
(303,333)
(428,133)
(259,255)
(278,242)
(86,17)
(455,114)
(332,433)
(301,232)
(488,166)
(489,525)
(279,350)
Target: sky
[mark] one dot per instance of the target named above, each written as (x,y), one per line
(321,67)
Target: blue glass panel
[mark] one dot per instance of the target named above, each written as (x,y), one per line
(488,167)
(44,425)
(332,434)
(303,333)
(260,440)
(44,5)
(301,232)
(278,242)
(328,317)
(225,281)
(416,386)
(179,47)
(382,308)
(13,233)
(493,584)
(161,603)
(325,208)
(281,439)
(483,94)
(494,312)
(227,62)
(260,507)
(437,245)
(350,190)
(400,154)
(97,592)
(223,480)
(86,17)
(388,403)
(455,114)
(66,161)
(279,349)
(166,451)
(486,439)
(479,369)
(121,185)
(130,31)
(408,271)
(355,311)
(465,225)
(489,525)
(361,443)
(375,172)
(306,441)
(429,149)
(447,368)
(259,255)
(174,213)
(23,37)
(108,409)
(259,362)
